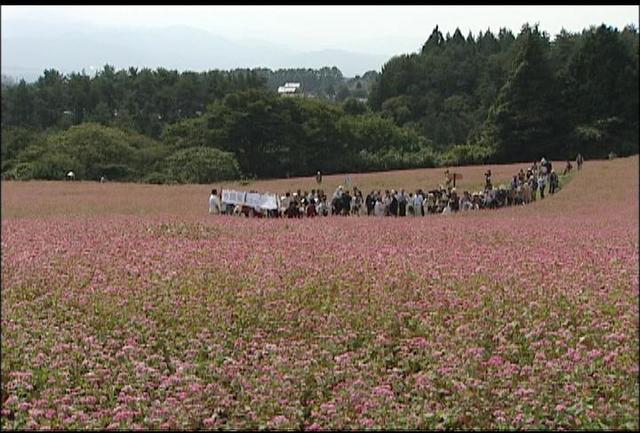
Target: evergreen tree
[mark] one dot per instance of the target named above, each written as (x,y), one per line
(524,123)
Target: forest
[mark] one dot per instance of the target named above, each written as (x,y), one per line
(458,100)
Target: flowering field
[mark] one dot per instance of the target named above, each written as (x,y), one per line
(128,306)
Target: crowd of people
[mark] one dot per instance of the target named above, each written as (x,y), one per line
(525,187)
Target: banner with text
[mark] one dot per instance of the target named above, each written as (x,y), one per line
(230,196)
(252,199)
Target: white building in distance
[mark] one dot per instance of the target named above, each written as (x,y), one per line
(290,89)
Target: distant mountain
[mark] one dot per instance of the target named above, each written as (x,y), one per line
(349,63)
(69,49)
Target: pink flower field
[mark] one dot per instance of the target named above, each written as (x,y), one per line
(129,306)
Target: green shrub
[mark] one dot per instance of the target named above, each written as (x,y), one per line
(466,154)
(21,171)
(202,165)
(157,178)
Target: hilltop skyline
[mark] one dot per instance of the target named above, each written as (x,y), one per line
(354,39)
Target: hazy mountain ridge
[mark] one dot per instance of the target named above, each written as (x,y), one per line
(178,47)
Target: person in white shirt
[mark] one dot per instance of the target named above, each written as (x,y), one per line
(214,202)
(285,202)
(417,204)
(386,202)
(526,192)
(447,209)
(465,201)
(338,192)
(378,208)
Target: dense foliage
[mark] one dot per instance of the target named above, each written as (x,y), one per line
(323,83)
(519,97)
(458,101)
(143,100)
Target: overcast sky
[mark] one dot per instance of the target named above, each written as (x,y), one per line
(371,29)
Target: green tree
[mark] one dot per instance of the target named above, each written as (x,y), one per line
(202,165)
(79,96)
(50,101)
(524,122)
(602,94)
(354,107)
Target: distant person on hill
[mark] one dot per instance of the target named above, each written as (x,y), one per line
(285,202)
(454,200)
(410,209)
(336,205)
(447,178)
(418,199)
(345,204)
(542,181)
(526,192)
(319,177)
(386,202)
(448,209)
(338,192)
(430,202)
(356,202)
(402,203)
(214,202)
(370,203)
(533,183)
(71,176)
(311,208)
(465,201)
(579,161)
(553,182)
(567,168)
(393,205)
(487,180)
(292,211)
(322,208)
(378,207)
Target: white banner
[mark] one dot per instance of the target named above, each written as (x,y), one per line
(230,196)
(269,202)
(254,200)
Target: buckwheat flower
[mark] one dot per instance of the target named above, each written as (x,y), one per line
(11,400)
(278,420)
(328,407)
(367,422)
(209,422)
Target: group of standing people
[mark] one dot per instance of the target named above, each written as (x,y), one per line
(525,187)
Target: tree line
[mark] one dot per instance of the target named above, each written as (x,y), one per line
(511,98)
(250,133)
(497,98)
